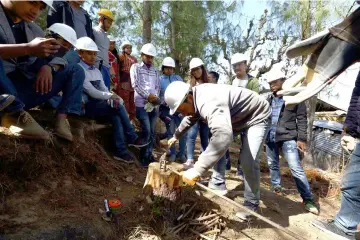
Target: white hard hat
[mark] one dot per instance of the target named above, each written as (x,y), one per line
(195,62)
(125,43)
(86,43)
(168,62)
(111,38)
(66,32)
(275,74)
(49,3)
(148,49)
(237,58)
(175,95)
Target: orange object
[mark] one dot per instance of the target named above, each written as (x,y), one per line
(114,204)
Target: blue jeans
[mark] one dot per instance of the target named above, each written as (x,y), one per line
(171,123)
(348,216)
(100,109)
(147,121)
(291,154)
(191,138)
(105,71)
(252,143)
(72,57)
(228,160)
(68,80)
(182,142)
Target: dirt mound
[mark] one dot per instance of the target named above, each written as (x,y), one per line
(55,185)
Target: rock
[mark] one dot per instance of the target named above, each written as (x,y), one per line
(129,179)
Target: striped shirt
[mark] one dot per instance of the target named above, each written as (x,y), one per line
(145,81)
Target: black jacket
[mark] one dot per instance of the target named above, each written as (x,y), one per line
(62,13)
(352,121)
(292,123)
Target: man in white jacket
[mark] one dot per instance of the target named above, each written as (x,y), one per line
(227,110)
(100,103)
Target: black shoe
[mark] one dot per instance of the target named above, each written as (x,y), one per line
(245,216)
(139,143)
(331,228)
(127,158)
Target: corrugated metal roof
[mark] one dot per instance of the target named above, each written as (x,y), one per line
(327,141)
(335,126)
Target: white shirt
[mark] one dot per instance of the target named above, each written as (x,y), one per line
(241,82)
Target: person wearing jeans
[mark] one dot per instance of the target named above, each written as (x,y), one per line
(101,39)
(198,75)
(171,122)
(347,220)
(145,80)
(102,104)
(32,71)
(239,63)
(202,128)
(228,110)
(288,133)
(252,143)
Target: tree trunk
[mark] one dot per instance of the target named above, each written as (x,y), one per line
(165,184)
(311,108)
(147,22)
(173,31)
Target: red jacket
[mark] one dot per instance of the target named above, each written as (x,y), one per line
(114,64)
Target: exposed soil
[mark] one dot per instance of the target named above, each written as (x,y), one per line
(56,189)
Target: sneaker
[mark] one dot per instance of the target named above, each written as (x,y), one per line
(23,125)
(278,190)
(181,158)
(311,207)
(62,129)
(126,158)
(5,101)
(245,216)
(188,164)
(218,188)
(139,143)
(330,228)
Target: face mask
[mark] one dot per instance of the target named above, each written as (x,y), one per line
(61,52)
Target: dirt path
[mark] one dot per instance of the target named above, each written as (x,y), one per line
(60,198)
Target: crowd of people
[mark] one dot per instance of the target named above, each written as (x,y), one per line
(77,69)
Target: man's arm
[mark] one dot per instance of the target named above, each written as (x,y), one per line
(95,93)
(185,125)
(221,137)
(301,117)
(39,47)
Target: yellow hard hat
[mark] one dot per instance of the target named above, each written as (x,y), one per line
(106,13)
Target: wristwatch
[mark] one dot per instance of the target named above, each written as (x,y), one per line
(53,68)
